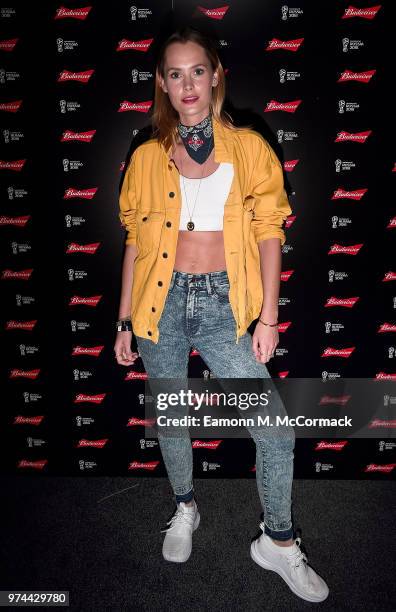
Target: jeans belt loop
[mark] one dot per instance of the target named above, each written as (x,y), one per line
(208,283)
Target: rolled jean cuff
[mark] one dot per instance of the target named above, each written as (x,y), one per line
(185,497)
(286,534)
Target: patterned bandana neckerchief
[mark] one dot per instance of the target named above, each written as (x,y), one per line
(198,139)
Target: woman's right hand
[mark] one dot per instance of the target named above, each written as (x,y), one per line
(122,349)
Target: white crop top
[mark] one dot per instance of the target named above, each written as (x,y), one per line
(213,192)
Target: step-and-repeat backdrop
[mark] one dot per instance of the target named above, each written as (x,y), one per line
(76,91)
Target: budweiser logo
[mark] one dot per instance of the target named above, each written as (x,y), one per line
(37,465)
(17,221)
(8,45)
(11,107)
(91,443)
(333,352)
(78,13)
(290,165)
(17,373)
(346,250)
(392,223)
(389,276)
(28,420)
(86,194)
(80,136)
(82,77)
(217,13)
(20,275)
(387,327)
(288,107)
(372,467)
(288,45)
(362,77)
(136,376)
(357,194)
(385,376)
(94,399)
(283,327)
(77,300)
(26,325)
(16,164)
(337,446)
(381,423)
(210,444)
(135,421)
(356,137)
(346,302)
(136,45)
(342,400)
(365,13)
(83,248)
(93,351)
(286,274)
(148,465)
(141,107)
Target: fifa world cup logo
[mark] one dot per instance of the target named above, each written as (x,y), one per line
(135,74)
(279,135)
(70,274)
(282,74)
(341,106)
(66,165)
(73,325)
(62,104)
(331,276)
(324,375)
(59,44)
(205,466)
(6,134)
(68,220)
(338,165)
(284,12)
(334,221)
(2,75)
(133,11)
(327,327)
(345,42)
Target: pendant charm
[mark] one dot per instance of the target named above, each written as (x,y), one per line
(190,226)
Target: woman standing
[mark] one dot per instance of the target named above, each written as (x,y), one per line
(203,203)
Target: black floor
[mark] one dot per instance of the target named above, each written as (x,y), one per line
(99,538)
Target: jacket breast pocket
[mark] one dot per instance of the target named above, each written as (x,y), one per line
(148,230)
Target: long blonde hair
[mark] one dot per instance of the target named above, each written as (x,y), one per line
(164,118)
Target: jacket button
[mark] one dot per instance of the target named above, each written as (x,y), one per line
(153,309)
(144,219)
(165,255)
(168,224)
(159,283)
(171,194)
(149,333)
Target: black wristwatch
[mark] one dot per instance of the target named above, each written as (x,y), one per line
(124,325)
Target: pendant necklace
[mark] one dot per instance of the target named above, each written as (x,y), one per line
(191,224)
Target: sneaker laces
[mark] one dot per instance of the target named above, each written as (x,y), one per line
(179,518)
(297,556)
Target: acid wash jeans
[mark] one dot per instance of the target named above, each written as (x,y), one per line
(197,313)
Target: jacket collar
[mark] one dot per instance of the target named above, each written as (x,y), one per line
(223,143)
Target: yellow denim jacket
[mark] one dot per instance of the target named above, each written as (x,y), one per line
(149,209)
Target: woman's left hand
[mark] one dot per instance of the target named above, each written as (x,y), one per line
(264,342)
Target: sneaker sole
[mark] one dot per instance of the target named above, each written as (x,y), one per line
(195,526)
(257,558)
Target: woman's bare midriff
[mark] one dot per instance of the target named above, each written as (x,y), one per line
(197,251)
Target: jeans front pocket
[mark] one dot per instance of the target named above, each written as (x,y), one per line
(221,291)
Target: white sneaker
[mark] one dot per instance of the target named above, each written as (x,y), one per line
(177,545)
(292,565)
